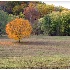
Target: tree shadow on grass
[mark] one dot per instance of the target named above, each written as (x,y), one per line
(36,43)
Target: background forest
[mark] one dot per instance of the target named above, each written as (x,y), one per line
(45,19)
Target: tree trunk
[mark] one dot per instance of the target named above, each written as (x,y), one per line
(19,41)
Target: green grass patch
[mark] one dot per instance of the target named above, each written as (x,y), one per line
(28,62)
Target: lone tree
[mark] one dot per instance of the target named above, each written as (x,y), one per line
(18,29)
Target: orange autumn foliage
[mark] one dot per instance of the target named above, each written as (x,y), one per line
(18,29)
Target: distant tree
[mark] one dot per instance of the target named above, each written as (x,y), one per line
(21,15)
(15,6)
(45,24)
(17,9)
(51,23)
(3,20)
(65,25)
(55,25)
(18,29)
(44,9)
(31,13)
(10,5)
(37,27)
(59,8)
(11,17)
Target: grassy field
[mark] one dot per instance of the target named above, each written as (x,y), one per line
(50,52)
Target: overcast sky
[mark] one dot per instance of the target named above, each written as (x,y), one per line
(65,4)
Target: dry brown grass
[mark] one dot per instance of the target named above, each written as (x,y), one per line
(52,52)
(35,46)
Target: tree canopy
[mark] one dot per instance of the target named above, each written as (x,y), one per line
(18,29)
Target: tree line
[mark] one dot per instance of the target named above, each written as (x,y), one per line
(45,19)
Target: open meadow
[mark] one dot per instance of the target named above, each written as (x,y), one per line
(35,52)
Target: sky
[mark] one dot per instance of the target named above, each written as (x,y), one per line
(65,4)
